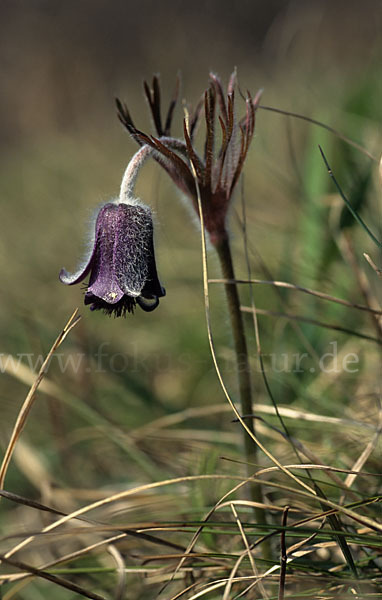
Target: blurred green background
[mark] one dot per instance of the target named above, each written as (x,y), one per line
(63,151)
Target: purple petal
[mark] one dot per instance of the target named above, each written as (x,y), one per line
(121,261)
(104,281)
(132,247)
(86,264)
(82,270)
(152,286)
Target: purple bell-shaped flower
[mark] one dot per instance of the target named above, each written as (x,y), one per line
(121,261)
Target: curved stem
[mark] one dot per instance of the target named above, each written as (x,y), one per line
(130,175)
(126,194)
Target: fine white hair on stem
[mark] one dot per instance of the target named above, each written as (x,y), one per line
(126,194)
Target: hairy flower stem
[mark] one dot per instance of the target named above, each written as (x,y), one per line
(243,369)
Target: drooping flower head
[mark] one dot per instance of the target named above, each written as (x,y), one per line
(219,169)
(121,261)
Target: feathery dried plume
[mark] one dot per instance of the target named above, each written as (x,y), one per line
(218,171)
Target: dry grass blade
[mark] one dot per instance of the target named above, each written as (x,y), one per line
(249,247)
(121,585)
(294,549)
(299,288)
(118,496)
(290,413)
(245,541)
(184,591)
(330,471)
(22,577)
(53,578)
(221,504)
(247,553)
(254,583)
(359,463)
(346,247)
(248,503)
(232,576)
(297,554)
(334,326)
(285,432)
(372,264)
(213,352)
(334,507)
(196,535)
(283,556)
(318,467)
(306,467)
(29,400)
(207,588)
